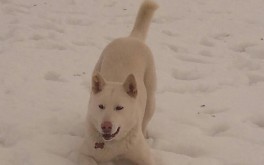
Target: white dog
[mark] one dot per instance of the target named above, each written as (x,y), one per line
(122,99)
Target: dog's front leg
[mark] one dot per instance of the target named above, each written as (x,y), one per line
(85,157)
(141,154)
(86,160)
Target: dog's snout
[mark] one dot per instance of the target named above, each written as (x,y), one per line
(106,127)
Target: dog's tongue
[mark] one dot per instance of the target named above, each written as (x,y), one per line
(107,136)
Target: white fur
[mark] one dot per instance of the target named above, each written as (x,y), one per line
(124,75)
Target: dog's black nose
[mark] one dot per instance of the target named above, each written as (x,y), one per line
(106,127)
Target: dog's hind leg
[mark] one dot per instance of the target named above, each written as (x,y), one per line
(150,83)
(150,108)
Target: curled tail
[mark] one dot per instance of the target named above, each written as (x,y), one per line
(143,19)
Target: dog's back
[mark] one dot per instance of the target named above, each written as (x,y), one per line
(130,54)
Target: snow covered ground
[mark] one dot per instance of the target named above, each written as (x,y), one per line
(210,63)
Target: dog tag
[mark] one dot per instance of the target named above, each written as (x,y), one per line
(99,145)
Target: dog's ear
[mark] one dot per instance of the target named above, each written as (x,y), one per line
(98,83)
(130,85)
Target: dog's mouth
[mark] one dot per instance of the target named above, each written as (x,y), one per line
(108,136)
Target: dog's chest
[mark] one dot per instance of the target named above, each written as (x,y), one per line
(106,152)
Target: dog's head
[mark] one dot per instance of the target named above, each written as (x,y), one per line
(112,107)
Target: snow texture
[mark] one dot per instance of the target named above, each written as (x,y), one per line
(210,64)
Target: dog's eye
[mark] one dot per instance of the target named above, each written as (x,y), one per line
(118,108)
(101,106)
